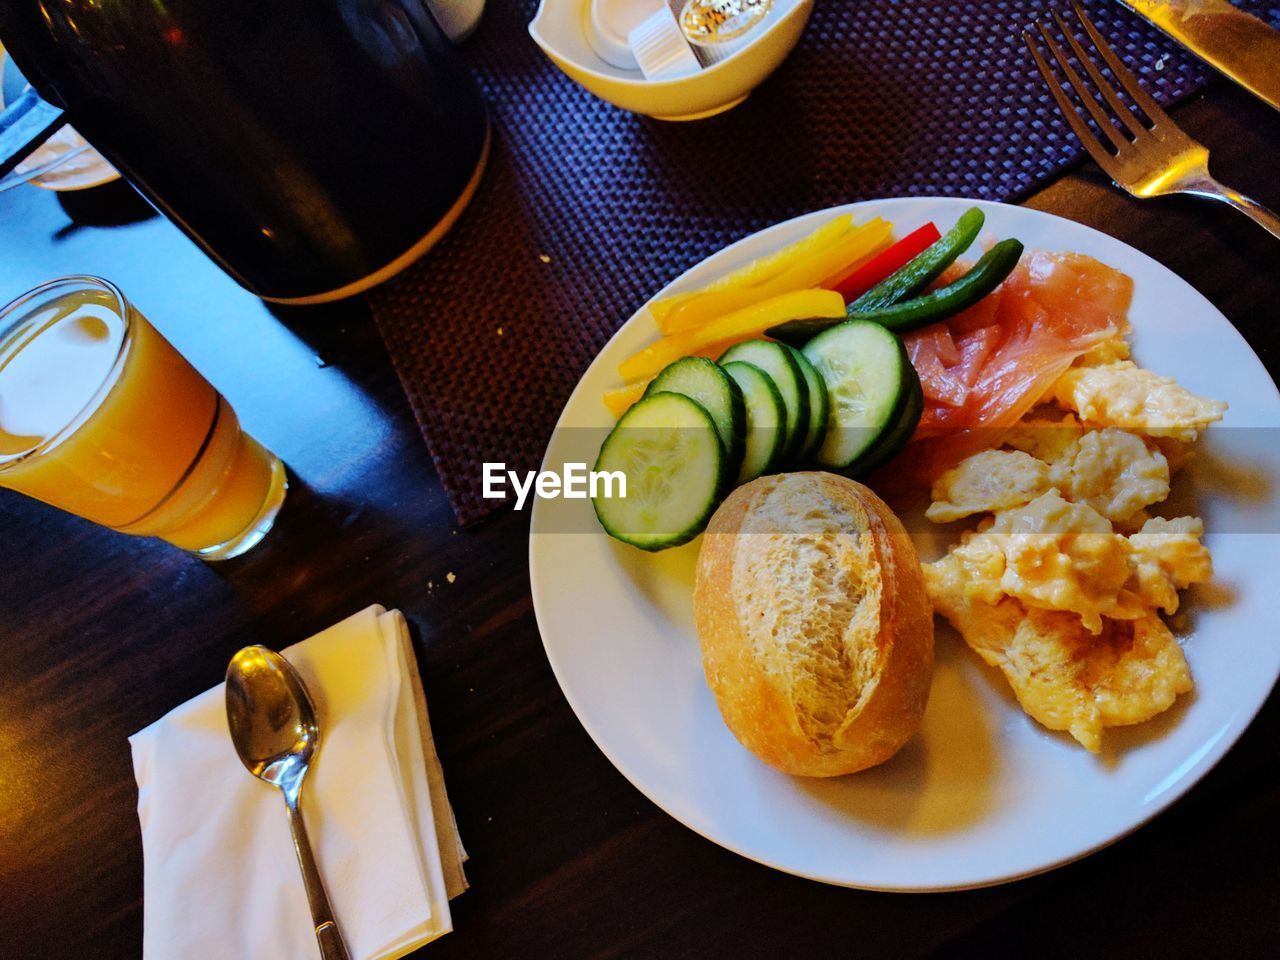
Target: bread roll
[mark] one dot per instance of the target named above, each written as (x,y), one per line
(816,631)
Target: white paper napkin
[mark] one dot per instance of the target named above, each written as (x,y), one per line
(221,881)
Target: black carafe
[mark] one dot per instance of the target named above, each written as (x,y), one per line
(310,148)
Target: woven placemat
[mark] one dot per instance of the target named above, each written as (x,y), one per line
(586,210)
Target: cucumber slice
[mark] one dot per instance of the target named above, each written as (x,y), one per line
(868,377)
(702,381)
(898,436)
(799,332)
(766,420)
(819,406)
(775,361)
(667,447)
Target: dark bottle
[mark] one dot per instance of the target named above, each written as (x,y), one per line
(310,148)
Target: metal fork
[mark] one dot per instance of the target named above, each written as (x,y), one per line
(1151,161)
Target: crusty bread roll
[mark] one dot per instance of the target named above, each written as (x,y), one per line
(816,631)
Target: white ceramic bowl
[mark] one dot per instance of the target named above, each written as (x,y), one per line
(559,29)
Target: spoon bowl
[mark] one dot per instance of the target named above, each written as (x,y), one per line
(271,716)
(275,731)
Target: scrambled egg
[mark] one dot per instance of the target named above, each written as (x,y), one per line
(1105,351)
(1122,394)
(1063,556)
(1115,472)
(1062,583)
(1168,557)
(987,481)
(1063,676)
(1045,439)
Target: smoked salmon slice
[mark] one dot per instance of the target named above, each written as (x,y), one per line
(984,368)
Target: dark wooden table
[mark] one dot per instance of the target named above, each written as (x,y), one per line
(100,634)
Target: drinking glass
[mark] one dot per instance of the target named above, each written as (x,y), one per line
(102,417)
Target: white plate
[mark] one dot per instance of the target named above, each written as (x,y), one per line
(982,794)
(82,168)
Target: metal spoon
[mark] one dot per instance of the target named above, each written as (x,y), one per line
(273,726)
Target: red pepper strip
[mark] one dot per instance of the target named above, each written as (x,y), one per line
(863,276)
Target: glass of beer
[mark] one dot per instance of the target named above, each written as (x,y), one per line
(100,416)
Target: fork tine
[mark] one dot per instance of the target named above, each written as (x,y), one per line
(1108,92)
(1118,70)
(1100,154)
(1083,93)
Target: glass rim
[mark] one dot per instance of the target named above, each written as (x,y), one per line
(12,315)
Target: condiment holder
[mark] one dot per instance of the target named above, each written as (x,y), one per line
(564,30)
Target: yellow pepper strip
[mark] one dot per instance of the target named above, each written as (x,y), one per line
(802,275)
(750,321)
(620,399)
(769,266)
(660,310)
(761,269)
(688,310)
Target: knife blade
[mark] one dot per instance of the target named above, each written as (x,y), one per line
(1235,43)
